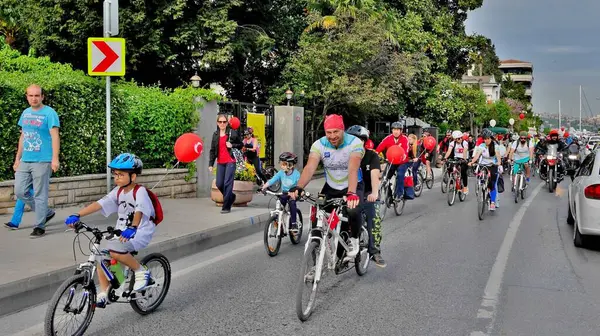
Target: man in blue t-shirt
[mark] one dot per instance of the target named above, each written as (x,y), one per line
(37,157)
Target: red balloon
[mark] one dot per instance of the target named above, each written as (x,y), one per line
(234,122)
(369,144)
(522,116)
(429,143)
(188,147)
(566,135)
(395,155)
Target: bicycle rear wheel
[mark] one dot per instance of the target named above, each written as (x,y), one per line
(384,200)
(72,306)
(429,182)
(361,261)
(306,283)
(295,238)
(399,206)
(445,178)
(517,187)
(141,302)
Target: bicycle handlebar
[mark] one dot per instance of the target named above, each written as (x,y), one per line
(339,201)
(79,226)
(269,192)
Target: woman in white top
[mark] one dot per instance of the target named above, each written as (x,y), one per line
(460,148)
(488,154)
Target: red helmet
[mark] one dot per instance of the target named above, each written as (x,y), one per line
(553,132)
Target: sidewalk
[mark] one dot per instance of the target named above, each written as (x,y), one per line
(32,269)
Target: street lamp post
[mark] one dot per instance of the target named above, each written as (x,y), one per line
(195,80)
(289,94)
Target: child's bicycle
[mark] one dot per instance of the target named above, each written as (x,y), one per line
(279,226)
(121,285)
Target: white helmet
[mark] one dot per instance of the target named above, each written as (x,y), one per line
(457,134)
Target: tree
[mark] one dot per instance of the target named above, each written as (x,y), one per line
(513,90)
(352,68)
(11,24)
(166,40)
(483,51)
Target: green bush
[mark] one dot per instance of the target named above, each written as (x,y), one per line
(144,120)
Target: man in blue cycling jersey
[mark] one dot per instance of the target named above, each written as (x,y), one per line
(341,154)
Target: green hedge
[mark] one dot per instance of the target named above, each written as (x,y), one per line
(144,120)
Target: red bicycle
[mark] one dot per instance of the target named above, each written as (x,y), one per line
(455,184)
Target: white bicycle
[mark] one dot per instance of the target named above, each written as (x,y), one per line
(326,249)
(279,226)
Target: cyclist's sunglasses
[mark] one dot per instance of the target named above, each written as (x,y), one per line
(523,138)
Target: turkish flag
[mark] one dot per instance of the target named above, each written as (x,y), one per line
(333,220)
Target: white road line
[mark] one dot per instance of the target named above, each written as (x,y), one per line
(39,328)
(491,294)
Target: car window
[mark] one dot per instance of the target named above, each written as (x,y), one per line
(587,165)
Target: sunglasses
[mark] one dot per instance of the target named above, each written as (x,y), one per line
(523,138)
(221,122)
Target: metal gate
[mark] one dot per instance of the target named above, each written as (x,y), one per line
(240,110)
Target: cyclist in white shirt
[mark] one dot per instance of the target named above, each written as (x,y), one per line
(522,152)
(341,155)
(488,154)
(459,149)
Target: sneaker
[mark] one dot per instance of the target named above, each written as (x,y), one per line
(50,216)
(11,226)
(225,211)
(37,232)
(294,228)
(379,260)
(142,280)
(353,248)
(497,203)
(101,300)
(465,191)
(492,207)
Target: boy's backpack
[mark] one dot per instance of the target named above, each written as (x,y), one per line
(158,211)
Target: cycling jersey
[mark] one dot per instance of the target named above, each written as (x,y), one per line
(459,149)
(521,151)
(335,160)
(485,158)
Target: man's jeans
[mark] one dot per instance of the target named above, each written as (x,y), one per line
(36,175)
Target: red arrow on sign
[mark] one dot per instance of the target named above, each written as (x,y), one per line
(109,59)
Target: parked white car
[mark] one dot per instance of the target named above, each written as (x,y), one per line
(584,200)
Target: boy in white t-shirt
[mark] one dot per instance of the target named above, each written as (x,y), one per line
(135,213)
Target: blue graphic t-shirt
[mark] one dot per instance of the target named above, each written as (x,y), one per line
(36,126)
(287,181)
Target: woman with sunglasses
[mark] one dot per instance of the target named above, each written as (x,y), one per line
(223,141)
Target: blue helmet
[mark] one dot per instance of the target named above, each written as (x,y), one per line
(127,162)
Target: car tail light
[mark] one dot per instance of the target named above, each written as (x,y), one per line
(592,191)
(313,213)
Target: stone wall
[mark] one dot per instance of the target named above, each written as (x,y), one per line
(84,189)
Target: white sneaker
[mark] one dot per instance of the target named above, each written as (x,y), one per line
(497,203)
(141,280)
(354,247)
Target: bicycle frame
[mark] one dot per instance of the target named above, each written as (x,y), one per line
(520,171)
(335,239)
(280,212)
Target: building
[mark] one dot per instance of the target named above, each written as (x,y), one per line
(519,72)
(487,84)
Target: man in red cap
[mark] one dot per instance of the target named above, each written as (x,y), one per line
(341,155)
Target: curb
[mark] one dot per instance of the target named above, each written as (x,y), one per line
(25,293)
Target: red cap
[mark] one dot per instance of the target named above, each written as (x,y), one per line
(334,121)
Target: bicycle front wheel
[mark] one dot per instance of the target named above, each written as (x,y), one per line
(361,261)
(451,191)
(71,311)
(272,236)
(306,292)
(481,198)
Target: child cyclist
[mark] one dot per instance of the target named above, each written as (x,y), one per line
(134,220)
(289,178)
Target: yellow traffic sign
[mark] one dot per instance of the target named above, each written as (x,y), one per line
(106,56)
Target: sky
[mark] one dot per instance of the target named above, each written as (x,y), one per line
(562,40)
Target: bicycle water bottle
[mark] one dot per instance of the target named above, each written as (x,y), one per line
(117,270)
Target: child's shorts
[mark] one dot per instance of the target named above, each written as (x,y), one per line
(141,240)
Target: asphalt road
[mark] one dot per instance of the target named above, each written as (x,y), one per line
(514,273)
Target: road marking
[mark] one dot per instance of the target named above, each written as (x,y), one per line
(491,294)
(39,328)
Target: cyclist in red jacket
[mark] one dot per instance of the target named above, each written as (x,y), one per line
(396,139)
